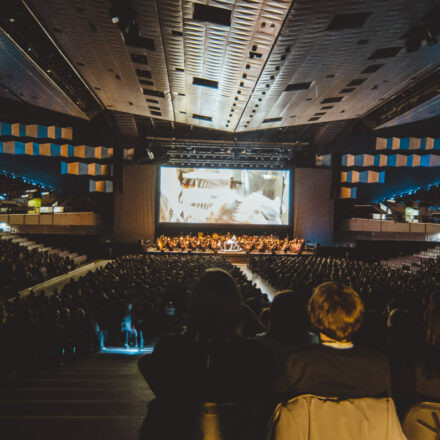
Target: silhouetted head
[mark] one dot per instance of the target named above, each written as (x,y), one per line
(432,321)
(288,319)
(215,306)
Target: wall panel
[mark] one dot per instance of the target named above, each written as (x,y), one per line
(135,206)
(313,206)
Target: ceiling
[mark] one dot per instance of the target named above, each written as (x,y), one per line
(21,79)
(230,65)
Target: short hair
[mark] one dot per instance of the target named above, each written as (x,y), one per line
(335,310)
(215,305)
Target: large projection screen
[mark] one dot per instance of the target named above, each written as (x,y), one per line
(224,196)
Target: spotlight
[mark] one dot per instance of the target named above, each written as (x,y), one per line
(115,19)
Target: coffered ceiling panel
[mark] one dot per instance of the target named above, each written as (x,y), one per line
(121,74)
(242,65)
(323,72)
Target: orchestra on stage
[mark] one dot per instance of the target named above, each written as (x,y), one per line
(219,243)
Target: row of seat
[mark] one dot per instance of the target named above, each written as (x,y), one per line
(412,262)
(30,244)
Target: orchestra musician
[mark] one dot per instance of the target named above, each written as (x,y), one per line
(216,242)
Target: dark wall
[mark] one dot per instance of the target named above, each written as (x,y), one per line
(46,170)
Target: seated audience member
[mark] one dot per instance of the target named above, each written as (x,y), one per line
(250,323)
(210,363)
(335,367)
(288,321)
(419,379)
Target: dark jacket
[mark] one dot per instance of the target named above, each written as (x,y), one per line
(183,374)
(325,371)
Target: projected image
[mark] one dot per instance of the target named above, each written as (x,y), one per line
(202,195)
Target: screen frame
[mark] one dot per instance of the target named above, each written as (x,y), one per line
(219,227)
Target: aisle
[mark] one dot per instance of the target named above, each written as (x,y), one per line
(101,397)
(262,284)
(58,282)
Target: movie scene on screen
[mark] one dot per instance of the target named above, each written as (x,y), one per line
(224,196)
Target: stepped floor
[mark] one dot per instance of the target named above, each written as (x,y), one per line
(101,397)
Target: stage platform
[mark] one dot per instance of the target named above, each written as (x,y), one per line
(236,257)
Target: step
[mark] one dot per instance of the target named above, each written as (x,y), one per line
(35,246)
(91,398)
(26,243)
(18,239)
(80,259)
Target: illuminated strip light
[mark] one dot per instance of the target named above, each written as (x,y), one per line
(127,351)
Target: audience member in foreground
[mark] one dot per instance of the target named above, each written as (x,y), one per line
(288,321)
(335,367)
(210,363)
(417,378)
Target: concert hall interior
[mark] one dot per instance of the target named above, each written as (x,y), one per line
(216,214)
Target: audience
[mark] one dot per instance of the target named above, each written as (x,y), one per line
(94,311)
(222,341)
(21,267)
